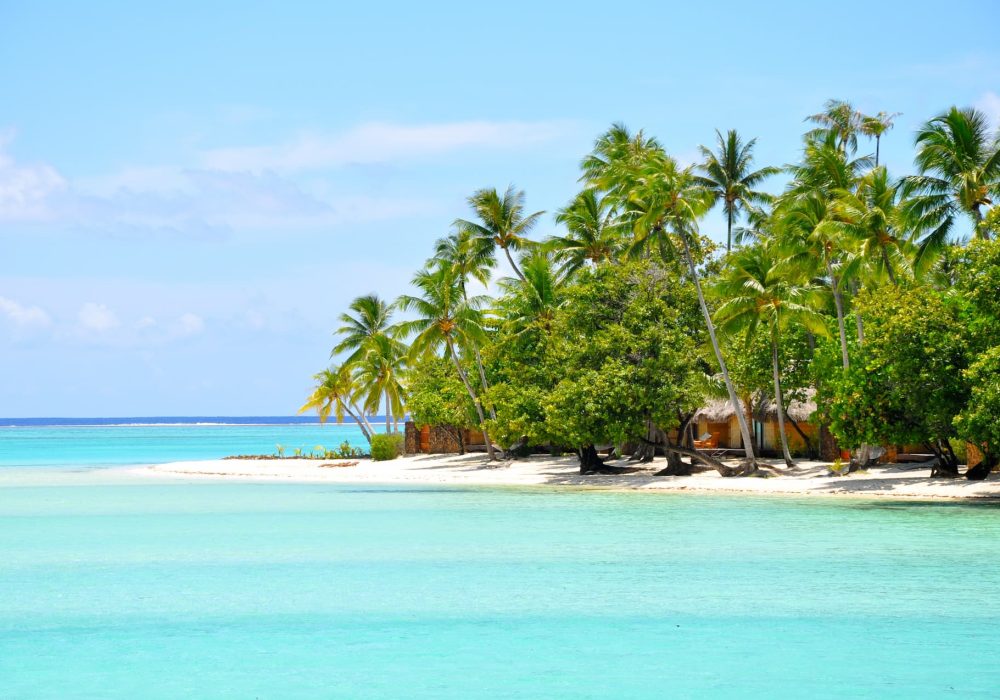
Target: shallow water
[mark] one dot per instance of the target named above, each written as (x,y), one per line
(113,585)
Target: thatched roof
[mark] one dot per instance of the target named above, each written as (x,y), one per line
(721,410)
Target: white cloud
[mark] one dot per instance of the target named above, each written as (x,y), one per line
(25,189)
(989,104)
(23,316)
(381,143)
(97,317)
(189,324)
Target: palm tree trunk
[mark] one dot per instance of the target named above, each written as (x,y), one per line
(475,400)
(838,301)
(482,378)
(857,317)
(388,427)
(517,270)
(778,405)
(878,140)
(733,399)
(888,265)
(362,423)
(729,230)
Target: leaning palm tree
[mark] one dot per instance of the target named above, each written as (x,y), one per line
(664,202)
(594,233)
(502,221)
(445,319)
(337,392)
(470,258)
(876,125)
(371,319)
(759,288)
(379,373)
(728,173)
(959,164)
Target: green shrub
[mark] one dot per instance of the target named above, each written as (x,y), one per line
(386,446)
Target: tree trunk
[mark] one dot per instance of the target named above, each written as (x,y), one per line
(982,470)
(751,461)
(888,265)
(388,419)
(742,469)
(838,301)
(857,315)
(878,139)
(517,270)
(729,230)
(482,379)
(475,400)
(361,424)
(814,453)
(778,405)
(591,462)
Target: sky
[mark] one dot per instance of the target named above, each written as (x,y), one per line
(191,193)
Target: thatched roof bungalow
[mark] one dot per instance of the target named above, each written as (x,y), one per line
(718,419)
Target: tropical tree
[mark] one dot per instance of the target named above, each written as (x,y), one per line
(875,125)
(469,257)
(533,300)
(594,232)
(873,215)
(760,289)
(337,392)
(728,173)
(502,221)
(447,319)
(959,164)
(664,202)
(379,372)
(370,324)
(840,123)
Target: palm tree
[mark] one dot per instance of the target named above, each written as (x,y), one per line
(371,320)
(875,126)
(873,215)
(470,258)
(665,203)
(761,289)
(959,166)
(379,371)
(594,232)
(502,221)
(533,301)
(337,392)
(728,174)
(838,121)
(448,319)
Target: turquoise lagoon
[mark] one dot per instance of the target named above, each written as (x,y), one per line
(118,585)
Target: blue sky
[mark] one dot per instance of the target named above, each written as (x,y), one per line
(189,195)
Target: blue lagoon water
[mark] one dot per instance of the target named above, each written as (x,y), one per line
(117,585)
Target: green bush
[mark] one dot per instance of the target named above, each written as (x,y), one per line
(386,446)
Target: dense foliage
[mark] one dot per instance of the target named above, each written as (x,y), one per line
(849,286)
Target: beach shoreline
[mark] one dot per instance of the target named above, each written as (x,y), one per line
(810,479)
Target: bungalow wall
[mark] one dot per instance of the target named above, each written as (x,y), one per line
(439,439)
(772,435)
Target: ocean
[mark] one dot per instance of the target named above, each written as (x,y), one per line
(114,585)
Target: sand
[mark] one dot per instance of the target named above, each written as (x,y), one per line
(808,478)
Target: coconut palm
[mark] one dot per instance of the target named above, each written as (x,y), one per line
(379,373)
(876,125)
(664,202)
(959,164)
(470,258)
(873,215)
(371,319)
(502,221)
(446,319)
(839,122)
(337,392)
(594,232)
(533,301)
(759,288)
(728,174)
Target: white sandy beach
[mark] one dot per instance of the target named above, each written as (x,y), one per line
(809,479)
